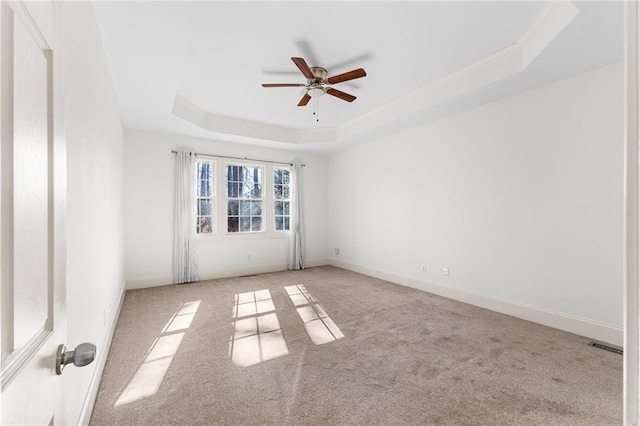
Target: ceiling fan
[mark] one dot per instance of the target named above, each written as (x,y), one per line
(318,84)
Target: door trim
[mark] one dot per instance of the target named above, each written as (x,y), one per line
(631,329)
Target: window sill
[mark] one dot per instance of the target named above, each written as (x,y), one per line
(241,235)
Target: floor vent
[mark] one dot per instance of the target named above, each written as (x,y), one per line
(613,349)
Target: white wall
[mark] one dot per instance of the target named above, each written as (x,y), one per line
(520,198)
(95,272)
(149,213)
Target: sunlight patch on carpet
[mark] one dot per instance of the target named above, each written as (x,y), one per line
(319,326)
(257,335)
(181,320)
(148,378)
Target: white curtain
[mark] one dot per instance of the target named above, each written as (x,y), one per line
(296,242)
(184,262)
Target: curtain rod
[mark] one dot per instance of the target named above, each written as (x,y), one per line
(241,158)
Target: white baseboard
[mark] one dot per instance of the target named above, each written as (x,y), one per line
(103,352)
(213,274)
(573,324)
(312,263)
(146,282)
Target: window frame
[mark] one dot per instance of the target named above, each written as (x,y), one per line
(227,199)
(288,200)
(214,197)
(220,230)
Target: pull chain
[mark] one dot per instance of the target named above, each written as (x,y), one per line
(316,109)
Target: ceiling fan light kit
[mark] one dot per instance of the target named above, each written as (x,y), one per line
(318,84)
(316,92)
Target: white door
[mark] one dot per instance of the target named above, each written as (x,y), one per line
(32,210)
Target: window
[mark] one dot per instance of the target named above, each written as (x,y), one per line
(282,199)
(244,198)
(205,191)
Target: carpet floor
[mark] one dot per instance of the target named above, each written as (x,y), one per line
(329,346)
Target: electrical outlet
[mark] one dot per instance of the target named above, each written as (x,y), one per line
(423,268)
(445,271)
(337,251)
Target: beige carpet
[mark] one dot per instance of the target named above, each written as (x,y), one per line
(328,346)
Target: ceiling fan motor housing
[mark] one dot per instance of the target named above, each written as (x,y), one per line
(315,89)
(319,73)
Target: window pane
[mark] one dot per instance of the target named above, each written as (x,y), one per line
(232,224)
(256,208)
(204,188)
(204,225)
(251,190)
(286,208)
(257,191)
(279,208)
(205,171)
(279,223)
(245,224)
(277,191)
(204,207)
(256,224)
(232,190)
(232,173)
(244,191)
(286,223)
(285,193)
(285,177)
(245,208)
(277,176)
(232,208)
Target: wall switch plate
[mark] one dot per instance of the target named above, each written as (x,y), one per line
(337,251)
(445,271)
(423,267)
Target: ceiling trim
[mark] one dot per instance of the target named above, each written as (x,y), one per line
(547,25)
(234,126)
(250,129)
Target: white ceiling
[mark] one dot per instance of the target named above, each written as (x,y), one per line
(215,55)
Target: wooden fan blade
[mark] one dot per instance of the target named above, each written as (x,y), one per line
(338,94)
(347,76)
(303,67)
(282,84)
(305,100)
